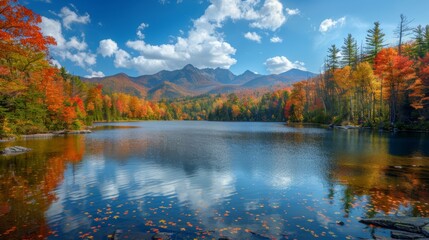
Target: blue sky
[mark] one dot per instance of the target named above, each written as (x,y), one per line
(105,37)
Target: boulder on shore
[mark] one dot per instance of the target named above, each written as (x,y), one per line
(15,150)
(409,227)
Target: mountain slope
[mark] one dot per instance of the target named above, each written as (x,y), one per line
(245,77)
(191,81)
(289,77)
(119,83)
(169,90)
(298,74)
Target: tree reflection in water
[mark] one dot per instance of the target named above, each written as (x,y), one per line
(28,181)
(390,173)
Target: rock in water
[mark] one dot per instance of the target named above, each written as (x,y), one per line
(15,150)
(410,227)
(405,235)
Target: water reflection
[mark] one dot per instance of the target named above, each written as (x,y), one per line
(27,184)
(243,180)
(391,172)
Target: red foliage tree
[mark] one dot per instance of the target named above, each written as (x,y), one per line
(19,26)
(396,73)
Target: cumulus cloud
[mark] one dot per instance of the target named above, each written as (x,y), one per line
(270,16)
(82,59)
(69,17)
(276,40)
(94,74)
(122,59)
(329,24)
(253,36)
(74,43)
(280,64)
(292,12)
(52,28)
(74,50)
(107,47)
(203,45)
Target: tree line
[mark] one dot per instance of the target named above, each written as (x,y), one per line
(375,85)
(36,96)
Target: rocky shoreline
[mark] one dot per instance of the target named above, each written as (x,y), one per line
(56,133)
(19,149)
(46,135)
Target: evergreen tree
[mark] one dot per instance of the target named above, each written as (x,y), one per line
(349,52)
(333,61)
(374,42)
(426,39)
(419,49)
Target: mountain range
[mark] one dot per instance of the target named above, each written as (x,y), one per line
(191,81)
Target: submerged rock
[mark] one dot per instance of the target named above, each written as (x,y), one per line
(10,139)
(410,227)
(15,150)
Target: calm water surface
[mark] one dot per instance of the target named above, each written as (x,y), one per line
(212,179)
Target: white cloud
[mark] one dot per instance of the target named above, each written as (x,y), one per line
(140,29)
(94,74)
(107,47)
(73,49)
(253,36)
(270,16)
(52,28)
(203,45)
(292,12)
(122,59)
(82,59)
(74,43)
(55,63)
(276,40)
(69,17)
(329,23)
(280,64)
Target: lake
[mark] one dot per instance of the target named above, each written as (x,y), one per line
(211,179)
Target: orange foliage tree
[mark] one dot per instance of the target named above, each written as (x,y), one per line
(19,27)
(396,72)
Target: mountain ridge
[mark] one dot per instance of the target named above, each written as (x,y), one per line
(192,81)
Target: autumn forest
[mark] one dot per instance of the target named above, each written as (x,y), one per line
(184,152)
(373,85)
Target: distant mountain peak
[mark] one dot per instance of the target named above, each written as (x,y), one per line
(294,72)
(121,75)
(248,72)
(189,67)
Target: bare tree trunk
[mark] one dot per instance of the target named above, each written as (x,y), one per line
(403,30)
